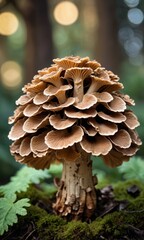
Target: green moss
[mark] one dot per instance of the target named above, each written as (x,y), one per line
(35,213)
(50,226)
(120,189)
(119,223)
(116,224)
(47,226)
(112,226)
(76,230)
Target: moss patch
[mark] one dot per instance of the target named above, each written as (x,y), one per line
(76,230)
(117,224)
(49,227)
(120,189)
(40,223)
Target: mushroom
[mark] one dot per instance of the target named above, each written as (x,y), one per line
(70,111)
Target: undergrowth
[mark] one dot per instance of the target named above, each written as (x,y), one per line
(11,205)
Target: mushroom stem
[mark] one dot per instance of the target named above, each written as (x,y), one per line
(76,197)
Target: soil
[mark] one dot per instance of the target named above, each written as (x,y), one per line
(119,216)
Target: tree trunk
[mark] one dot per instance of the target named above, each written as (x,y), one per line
(76,197)
(39,45)
(107,47)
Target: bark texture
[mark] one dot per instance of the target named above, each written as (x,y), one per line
(76,197)
(39,44)
(108,51)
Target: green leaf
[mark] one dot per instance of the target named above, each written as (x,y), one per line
(134,169)
(9,209)
(24,177)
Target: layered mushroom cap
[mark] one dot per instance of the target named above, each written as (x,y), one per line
(74,104)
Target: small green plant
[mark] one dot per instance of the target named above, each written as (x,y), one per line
(9,209)
(10,206)
(134,169)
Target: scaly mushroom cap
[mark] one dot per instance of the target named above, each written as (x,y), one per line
(73,102)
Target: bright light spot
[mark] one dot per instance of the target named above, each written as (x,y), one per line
(131,3)
(135,16)
(8,23)
(11,74)
(133,46)
(66,13)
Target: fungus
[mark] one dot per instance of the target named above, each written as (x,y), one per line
(69,112)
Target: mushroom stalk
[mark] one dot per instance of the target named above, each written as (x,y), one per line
(76,197)
(78,89)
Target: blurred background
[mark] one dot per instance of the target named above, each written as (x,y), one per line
(32,33)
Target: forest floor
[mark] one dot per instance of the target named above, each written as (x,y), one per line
(119,216)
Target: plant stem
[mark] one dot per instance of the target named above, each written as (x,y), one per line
(76,196)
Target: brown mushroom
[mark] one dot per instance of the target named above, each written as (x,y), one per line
(24,147)
(31,110)
(88,101)
(121,139)
(56,106)
(75,113)
(70,111)
(116,105)
(17,131)
(35,87)
(104,128)
(64,138)
(61,123)
(69,153)
(38,145)
(18,113)
(52,78)
(78,75)
(40,98)
(131,120)
(97,145)
(24,99)
(32,124)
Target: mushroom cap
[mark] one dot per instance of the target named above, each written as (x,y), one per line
(104,128)
(17,131)
(32,124)
(72,106)
(64,138)
(97,145)
(61,123)
(40,98)
(38,145)
(88,101)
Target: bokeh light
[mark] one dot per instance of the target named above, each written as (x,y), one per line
(8,23)
(125,33)
(66,13)
(133,46)
(135,16)
(131,3)
(11,74)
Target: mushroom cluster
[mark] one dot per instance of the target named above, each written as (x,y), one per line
(73,101)
(73,107)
